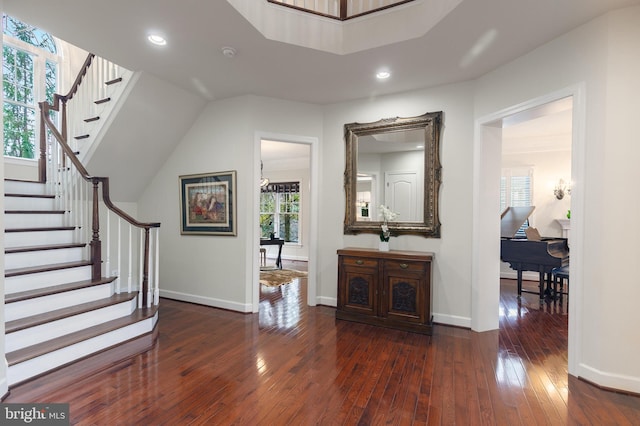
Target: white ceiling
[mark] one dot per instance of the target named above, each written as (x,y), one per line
(477,36)
(547,128)
(473,38)
(284,155)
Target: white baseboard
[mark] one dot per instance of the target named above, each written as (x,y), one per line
(4,386)
(452,320)
(609,380)
(207,301)
(327,301)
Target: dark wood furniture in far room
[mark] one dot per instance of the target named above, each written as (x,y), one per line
(527,255)
(274,242)
(385,288)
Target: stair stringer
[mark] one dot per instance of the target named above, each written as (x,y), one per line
(118,98)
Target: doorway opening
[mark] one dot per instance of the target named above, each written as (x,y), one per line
(285,208)
(536,177)
(486,224)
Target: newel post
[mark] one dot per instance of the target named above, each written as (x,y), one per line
(96,245)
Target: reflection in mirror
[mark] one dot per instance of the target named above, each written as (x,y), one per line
(394,162)
(397,158)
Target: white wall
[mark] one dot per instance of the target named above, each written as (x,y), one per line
(548,167)
(217,270)
(452,267)
(203,269)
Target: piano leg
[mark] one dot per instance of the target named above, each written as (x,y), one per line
(519,282)
(542,285)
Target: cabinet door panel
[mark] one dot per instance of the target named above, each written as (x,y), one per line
(359,292)
(404,298)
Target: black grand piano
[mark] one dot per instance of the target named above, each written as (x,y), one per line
(525,254)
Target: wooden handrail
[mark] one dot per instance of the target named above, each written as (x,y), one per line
(106,198)
(81,74)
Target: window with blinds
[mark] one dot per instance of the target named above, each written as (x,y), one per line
(516,190)
(280,211)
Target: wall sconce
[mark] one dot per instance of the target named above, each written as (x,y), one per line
(560,189)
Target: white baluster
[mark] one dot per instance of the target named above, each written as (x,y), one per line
(140,268)
(156,263)
(130,275)
(118,280)
(107,262)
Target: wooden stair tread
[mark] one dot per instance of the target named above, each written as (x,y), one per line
(39,349)
(24,323)
(45,268)
(29,195)
(61,288)
(34,212)
(44,229)
(21,180)
(115,80)
(25,249)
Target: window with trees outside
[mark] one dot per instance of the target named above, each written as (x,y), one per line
(30,75)
(516,190)
(280,211)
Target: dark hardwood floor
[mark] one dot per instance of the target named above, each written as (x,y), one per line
(297,365)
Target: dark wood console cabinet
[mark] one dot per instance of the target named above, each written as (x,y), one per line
(385,288)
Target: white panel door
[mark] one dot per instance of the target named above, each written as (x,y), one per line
(401,194)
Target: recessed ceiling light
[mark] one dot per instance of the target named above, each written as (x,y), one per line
(156,39)
(382,75)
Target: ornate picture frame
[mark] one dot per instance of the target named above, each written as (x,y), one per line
(208,204)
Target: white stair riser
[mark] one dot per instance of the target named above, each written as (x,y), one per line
(25,239)
(43,257)
(29,203)
(33,367)
(33,220)
(27,282)
(17,187)
(40,305)
(51,330)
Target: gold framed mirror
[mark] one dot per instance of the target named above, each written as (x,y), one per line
(393,162)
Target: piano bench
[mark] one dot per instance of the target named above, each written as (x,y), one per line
(559,275)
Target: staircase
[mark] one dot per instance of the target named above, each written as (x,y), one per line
(61,305)
(54,312)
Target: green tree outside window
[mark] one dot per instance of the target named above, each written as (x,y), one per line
(28,77)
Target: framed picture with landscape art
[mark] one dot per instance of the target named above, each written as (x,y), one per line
(208,204)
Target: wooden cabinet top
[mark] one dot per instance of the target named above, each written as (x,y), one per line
(391,254)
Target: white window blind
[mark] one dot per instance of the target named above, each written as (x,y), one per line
(516,190)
